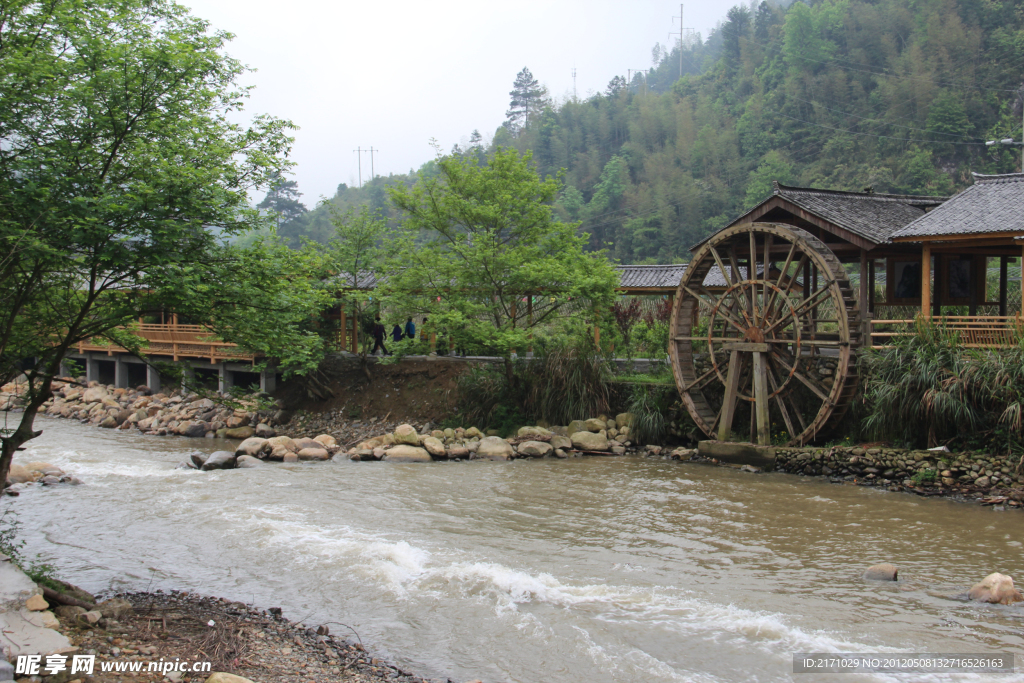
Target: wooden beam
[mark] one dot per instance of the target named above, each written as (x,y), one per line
(732,384)
(1003,279)
(926,280)
(976,237)
(761,399)
(863,302)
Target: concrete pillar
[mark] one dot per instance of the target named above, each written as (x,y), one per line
(268,381)
(92,369)
(153,379)
(65,371)
(188,374)
(120,373)
(224,379)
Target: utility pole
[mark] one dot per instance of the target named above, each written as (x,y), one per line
(682,30)
(372,174)
(574,84)
(359,151)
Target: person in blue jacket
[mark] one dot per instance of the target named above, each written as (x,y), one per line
(410,329)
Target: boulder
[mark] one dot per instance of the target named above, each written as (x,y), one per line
(494,448)
(109,422)
(313,454)
(535,449)
(559,453)
(247,461)
(37,603)
(221,677)
(474,433)
(197,459)
(588,441)
(595,425)
(236,421)
(407,453)
(94,394)
(304,443)
(405,434)
(115,608)
(252,446)
(284,442)
(265,430)
(562,442)
(576,426)
(325,440)
(290,457)
(68,612)
(533,431)
(19,474)
(240,433)
(460,452)
(278,452)
(220,460)
(434,446)
(997,589)
(881,572)
(89,618)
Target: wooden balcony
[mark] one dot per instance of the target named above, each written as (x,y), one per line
(177,341)
(975,331)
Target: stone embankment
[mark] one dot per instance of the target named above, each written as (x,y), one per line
(596,436)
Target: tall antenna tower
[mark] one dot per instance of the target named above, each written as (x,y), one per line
(574,83)
(681,32)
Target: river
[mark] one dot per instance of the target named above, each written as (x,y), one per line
(587,570)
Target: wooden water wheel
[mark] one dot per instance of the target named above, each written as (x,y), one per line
(765,331)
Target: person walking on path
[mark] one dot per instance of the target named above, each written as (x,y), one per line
(410,329)
(396,333)
(378,337)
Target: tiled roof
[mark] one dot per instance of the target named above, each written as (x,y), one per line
(869,215)
(994,203)
(668,276)
(665,276)
(367,280)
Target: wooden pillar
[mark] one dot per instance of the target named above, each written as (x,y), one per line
(732,385)
(940,286)
(871,287)
(1003,263)
(926,280)
(355,332)
(976,284)
(761,399)
(343,332)
(863,302)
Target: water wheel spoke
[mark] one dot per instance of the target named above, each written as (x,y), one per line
(700,381)
(780,401)
(727,315)
(806,303)
(731,277)
(820,391)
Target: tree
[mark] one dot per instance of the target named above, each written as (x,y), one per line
(282,200)
(527,98)
(485,259)
(615,86)
(357,255)
(772,167)
(117,171)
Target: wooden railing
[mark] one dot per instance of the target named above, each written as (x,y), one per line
(178,341)
(974,331)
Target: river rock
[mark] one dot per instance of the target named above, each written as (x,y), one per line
(19,474)
(881,572)
(278,452)
(220,460)
(562,442)
(588,441)
(997,589)
(325,440)
(94,395)
(265,430)
(313,454)
(406,434)
(109,422)
(474,433)
(533,431)
(252,446)
(305,442)
(576,426)
(434,446)
(460,452)
(595,425)
(240,433)
(535,449)
(247,461)
(290,457)
(237,421)
(494,448)
(89,618)
(221,677)
(37,603)
(68,612)
(559,453)
(407,453)
(115,608)
(283,441)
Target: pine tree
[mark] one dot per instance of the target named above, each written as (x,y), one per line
(527,98)
(283,199)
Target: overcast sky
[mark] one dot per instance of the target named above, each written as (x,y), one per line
(393,75)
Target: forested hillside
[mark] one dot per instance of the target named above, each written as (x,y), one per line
(894,95)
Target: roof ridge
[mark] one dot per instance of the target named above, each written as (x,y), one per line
(996,177)
(860,195)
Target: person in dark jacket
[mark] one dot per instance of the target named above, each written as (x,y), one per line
(396,333)
(410,329)
(378,337)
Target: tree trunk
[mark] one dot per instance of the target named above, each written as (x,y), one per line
(24,433)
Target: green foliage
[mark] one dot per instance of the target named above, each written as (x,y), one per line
(929,389)
(483,257)
(649,405)
(925,476)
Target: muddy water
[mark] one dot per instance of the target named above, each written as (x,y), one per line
(588,570)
